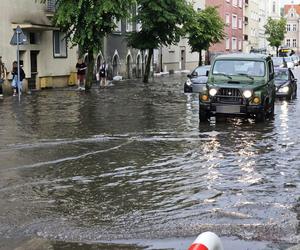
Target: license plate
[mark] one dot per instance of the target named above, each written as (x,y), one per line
(228,109)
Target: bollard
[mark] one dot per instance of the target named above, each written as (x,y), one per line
(207,241)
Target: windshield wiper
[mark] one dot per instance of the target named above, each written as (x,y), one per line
(243,74)
(223,74)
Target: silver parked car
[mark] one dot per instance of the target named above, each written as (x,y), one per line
(197,80)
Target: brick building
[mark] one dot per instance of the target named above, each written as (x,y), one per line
(232,13)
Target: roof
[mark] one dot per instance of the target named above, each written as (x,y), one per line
(246,56)
(287,7)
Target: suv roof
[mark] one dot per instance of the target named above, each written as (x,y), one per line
(246,56)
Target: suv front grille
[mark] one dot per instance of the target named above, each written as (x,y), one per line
(229,95)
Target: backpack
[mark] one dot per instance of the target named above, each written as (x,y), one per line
(102,70)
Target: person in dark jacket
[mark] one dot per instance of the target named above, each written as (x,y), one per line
(17,84)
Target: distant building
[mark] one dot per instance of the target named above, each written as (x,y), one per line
(46,57)
(232,13)
(252,26)
(292,36)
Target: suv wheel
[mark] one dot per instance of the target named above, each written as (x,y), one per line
(203,115)
(261,117)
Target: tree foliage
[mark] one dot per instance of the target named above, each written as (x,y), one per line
(161,23)
(275,30)
(206,28)
(87,22)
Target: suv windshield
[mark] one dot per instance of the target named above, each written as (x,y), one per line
(281,75)
(201,71)
(239,67)
(278,60)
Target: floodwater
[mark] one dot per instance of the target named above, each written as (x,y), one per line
(130,167)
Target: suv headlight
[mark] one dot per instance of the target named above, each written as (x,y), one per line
(188,82)
(284,89)
(247,93)
(213,92)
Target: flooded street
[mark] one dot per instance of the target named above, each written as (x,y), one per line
(131,165)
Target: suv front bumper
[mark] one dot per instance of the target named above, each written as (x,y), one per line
(230,110)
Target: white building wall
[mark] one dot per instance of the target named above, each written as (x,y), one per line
(172,55)
(31,14)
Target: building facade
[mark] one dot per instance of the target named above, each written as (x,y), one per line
(292,36)
(179,57)
(45,57)
(232,13)
(251,25)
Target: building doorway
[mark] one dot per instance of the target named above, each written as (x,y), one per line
(128,67)
(182,58)
(34,69)
(115,65)
(138,67)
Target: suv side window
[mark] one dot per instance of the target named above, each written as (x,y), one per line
(271,70)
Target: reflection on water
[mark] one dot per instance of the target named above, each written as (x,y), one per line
(132,162)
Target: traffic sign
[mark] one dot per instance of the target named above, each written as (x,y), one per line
(18,36)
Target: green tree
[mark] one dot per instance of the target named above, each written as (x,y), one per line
(275,30)
(207,28)
(87,22)
(162,24)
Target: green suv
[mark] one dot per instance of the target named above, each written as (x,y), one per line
(239,85)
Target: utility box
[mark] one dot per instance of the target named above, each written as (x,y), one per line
(46,82)
(72,79)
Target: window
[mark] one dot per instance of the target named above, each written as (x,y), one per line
(118,25)
(227,19)
(234,43)
(240,23)
(288,27)
(294,43)
(292,14)
(33,38)
(240,3)
(274,6)
(240,44)
(59,45)
(288,42)
(234,3)
(234,21)
(227,43)
(128,26)
(294,27)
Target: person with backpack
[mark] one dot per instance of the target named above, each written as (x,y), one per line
(17,84)
(103,74)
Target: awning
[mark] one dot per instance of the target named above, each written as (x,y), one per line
(34,27)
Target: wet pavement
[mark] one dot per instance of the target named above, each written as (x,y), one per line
(130,167)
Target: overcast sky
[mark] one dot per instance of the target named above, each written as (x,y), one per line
(289,1)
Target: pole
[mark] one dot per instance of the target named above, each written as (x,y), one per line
(18,61)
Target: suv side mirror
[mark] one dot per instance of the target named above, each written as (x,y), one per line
(189,75)
(207,72)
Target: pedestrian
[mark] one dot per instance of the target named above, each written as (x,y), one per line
(81,68)
(3,73)
(16,83)
(103,74)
